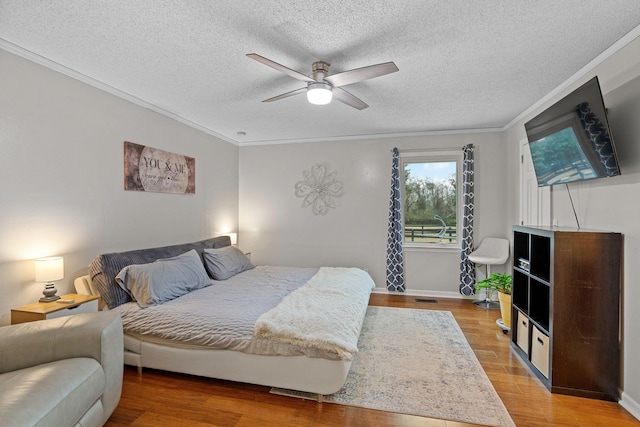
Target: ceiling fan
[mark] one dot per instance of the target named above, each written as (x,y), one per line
(321,87)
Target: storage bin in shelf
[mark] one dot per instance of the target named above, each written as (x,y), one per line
(540,351)
(522,332)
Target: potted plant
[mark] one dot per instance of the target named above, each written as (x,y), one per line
(500,282)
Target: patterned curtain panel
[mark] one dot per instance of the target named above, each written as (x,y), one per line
(395,257)
(598,136)
(467,272)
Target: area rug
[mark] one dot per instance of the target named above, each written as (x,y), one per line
(418,362)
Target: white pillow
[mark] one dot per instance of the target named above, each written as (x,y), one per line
(164,279)
(226,262)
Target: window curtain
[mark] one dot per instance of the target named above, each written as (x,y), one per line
(467,272)
(395,257)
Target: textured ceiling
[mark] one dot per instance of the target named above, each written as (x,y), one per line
(464,65)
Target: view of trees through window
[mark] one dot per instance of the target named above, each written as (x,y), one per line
(430,202)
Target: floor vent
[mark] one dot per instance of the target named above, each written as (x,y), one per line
(431,301)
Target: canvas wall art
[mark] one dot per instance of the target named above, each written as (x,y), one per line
(158,171)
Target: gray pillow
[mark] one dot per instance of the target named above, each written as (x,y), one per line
(223,263)
(164,279)
(104,268)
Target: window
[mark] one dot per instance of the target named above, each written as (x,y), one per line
(431,198)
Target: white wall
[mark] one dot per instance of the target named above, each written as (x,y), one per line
(61,192)
(277,230)
(609,204)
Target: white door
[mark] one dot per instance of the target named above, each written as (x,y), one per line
(535,202)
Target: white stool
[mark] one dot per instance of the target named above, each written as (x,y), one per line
(492,251)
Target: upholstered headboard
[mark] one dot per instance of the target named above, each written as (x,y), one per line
(104,268)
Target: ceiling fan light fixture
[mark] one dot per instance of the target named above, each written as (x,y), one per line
(319,93)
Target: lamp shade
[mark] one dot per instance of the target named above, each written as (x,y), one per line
(319,93)
(233,237)
(49,269)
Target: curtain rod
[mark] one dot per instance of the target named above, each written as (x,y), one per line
(422,150)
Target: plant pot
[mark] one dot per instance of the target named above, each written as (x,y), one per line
(505,308)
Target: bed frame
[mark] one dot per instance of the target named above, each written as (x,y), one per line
(301,373)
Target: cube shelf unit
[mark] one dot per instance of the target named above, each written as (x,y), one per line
(566,308)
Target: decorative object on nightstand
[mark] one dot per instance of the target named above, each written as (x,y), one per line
(42,311)
(49,270)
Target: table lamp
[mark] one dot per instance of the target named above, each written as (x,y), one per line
(233,237)
(48,270)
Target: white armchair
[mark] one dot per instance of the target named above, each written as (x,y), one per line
(61,372)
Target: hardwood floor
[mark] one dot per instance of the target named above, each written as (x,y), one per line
(165,399)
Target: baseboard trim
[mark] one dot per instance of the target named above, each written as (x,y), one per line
(630,405)
(424,293)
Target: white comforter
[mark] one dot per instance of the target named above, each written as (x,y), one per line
(326,313)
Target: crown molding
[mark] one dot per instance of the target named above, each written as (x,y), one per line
(372,136)
(45,62)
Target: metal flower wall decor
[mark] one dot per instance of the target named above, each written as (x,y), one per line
(318,189)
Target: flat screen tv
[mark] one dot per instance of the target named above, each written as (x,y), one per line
(571,140)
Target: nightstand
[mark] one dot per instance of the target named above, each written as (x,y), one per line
(50,310)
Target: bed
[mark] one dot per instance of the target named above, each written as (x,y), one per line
(286,327)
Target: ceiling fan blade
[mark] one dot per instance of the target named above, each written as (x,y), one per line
(286,95)
(281,68)
(360,74)
(349,99)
